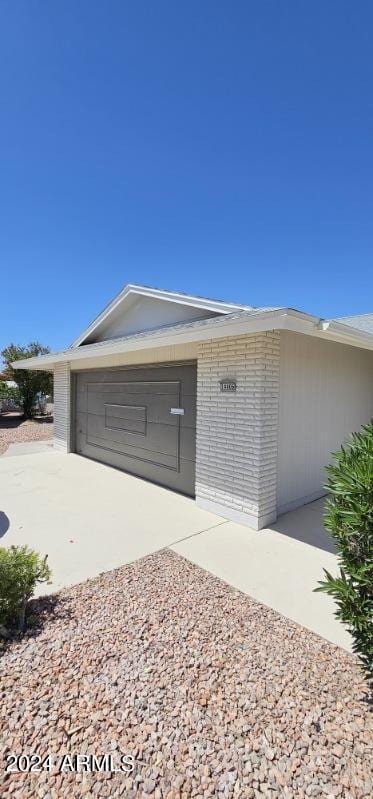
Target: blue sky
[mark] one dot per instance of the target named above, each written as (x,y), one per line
(218,148)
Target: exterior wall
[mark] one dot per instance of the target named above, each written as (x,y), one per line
(236,461)
(261,450)
(62,408)
(326,392)
(179,352)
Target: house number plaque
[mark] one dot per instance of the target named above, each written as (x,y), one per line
(227,385)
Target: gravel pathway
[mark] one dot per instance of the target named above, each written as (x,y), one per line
(14,429)
(214,694)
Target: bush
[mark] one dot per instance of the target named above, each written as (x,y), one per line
(20,570)
(349,518)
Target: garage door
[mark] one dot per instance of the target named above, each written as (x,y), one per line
(140,420)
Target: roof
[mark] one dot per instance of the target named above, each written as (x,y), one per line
(227,319)
(134,289)
(179,327)
(360,322)
(238,323)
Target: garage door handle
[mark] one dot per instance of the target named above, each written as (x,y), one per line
(177,411)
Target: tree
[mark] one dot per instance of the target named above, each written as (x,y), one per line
(8,392)
(349,518)
(30,383)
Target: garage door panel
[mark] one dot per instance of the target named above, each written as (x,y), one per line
(80,397)
(131,418)
(163,443)
(188,404)
(187,443)
(123,418)
(155,412)
(157,438)
(102,449)
(159,410)
(157,405)
(187,401)
(161,373)
(145,387)
(91,395)
(176,480)
(134,452)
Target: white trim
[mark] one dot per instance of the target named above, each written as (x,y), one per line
(232,515)
(346,331)
(283,319)
(185,333)
(168,296)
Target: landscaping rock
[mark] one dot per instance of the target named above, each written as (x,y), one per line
(212,693)
(14,429)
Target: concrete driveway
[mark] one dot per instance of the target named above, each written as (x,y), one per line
(90,518)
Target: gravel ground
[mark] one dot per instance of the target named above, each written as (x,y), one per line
(14,429)
(214,694)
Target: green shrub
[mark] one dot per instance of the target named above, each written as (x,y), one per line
(349,518)
(20,570)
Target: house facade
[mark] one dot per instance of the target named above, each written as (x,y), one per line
(237,407)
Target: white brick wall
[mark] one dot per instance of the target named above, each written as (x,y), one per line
(62,407)
(236,465)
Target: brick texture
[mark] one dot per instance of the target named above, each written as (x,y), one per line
(62,407)
(236,466)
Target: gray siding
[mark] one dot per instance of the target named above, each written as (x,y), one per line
(326,392)
(62,407)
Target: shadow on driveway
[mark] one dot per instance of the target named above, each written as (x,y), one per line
(13,419)
(306,524)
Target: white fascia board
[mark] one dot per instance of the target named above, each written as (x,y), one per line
(283,319)
(344,334)
(159,294)
(188,299)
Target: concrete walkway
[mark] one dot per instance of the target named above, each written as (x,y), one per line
(90,518)
(28,448)
(279,566)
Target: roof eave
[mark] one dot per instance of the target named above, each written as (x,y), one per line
(281,319)
(217,328)
(345,334)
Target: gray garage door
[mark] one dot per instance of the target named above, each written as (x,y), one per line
(129,418)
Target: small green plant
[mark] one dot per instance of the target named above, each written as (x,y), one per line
(349,519)
(20,570)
